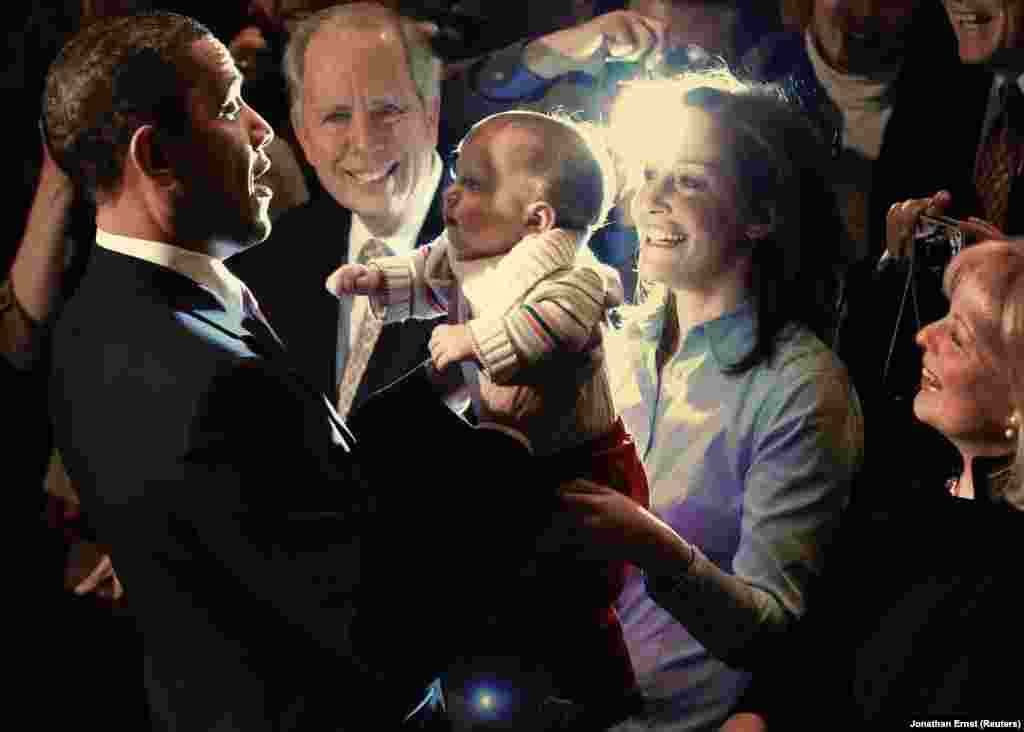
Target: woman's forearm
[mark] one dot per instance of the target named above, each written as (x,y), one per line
(38,269)
(37,274)
(727,615)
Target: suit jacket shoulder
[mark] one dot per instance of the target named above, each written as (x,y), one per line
(209,472)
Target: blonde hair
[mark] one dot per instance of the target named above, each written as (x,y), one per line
(998,268)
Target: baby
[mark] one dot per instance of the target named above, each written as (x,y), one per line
(525,327)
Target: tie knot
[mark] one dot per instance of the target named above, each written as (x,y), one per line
(373,249)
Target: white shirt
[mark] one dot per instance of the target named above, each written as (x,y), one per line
(403,241)
(206,271)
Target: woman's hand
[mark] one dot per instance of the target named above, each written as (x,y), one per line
(102,580)
(901,221)
(622,35)
(598,523)
(54,184)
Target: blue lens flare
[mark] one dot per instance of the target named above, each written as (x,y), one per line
(486,701)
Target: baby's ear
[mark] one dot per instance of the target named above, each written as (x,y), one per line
(540,217)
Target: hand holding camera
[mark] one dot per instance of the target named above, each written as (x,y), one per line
(920,227)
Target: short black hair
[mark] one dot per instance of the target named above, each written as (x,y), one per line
(114,76)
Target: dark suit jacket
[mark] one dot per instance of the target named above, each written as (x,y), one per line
(287,273)
(272,573)
(207,465)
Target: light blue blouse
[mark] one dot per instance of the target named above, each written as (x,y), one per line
(752,468)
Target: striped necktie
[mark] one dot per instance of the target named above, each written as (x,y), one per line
(999,158)
(366,337)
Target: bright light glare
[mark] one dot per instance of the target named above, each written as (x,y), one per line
(486,701)
(646,119)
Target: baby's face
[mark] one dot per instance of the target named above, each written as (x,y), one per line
(486,209)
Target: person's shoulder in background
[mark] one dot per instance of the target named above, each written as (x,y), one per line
(774,56)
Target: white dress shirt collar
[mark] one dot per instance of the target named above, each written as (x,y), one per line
(206,271)
(405,239)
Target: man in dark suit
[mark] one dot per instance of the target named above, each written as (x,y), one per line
(365,101)
(990,42)
(264,572)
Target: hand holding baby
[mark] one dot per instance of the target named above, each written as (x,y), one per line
(355,279)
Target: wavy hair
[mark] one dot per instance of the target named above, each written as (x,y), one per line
(780,164)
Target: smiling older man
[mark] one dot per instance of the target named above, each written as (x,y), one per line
(365,93)
(991,33)
(366,106)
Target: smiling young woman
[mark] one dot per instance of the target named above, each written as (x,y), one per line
(744,417)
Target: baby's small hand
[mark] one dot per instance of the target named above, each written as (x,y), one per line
(450,344)
(355,279)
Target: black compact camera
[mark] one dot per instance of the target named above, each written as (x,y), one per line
(937,239)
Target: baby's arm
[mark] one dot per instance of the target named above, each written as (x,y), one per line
(397,286)
(355,279)
(560,315)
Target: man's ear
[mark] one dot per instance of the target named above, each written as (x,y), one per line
(148,152)
(540,217)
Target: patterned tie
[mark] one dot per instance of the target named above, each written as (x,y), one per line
(366,337)
(999,158)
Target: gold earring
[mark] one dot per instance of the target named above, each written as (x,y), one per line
(1011,429)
